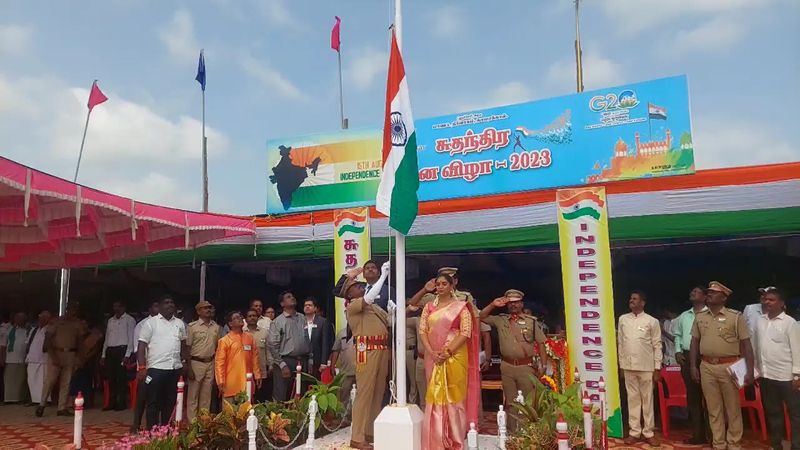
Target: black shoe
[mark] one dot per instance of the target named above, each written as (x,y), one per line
(39,411)
(65,412)
(695,441)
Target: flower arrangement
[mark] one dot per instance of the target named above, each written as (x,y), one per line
(549,382)
(556,349)
(158,438)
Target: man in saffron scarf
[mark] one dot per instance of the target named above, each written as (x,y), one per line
(237,355)
(450,334)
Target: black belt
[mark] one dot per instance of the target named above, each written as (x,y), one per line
(202,360)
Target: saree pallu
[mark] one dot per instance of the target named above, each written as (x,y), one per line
(453,387)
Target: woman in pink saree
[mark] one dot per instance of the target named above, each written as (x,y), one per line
(450,332)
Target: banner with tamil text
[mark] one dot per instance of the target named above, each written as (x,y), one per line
(638,130)
(351,248)
(589,295)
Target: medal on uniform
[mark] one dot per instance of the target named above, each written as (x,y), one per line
(721,319)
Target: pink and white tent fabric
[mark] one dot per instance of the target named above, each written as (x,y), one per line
(47,223)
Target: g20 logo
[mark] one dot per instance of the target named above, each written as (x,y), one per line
(610,102)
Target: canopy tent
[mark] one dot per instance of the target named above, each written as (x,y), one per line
(47,223)
(746,201)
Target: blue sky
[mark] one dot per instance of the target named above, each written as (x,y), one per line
(271,73)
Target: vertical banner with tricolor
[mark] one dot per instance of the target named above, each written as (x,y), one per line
(351,248)
(588,294)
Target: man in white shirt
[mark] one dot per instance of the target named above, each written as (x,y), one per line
(37,359)
(778,360)
(117,348)
(639,344)
(161,356)
(753,312)
(141,388)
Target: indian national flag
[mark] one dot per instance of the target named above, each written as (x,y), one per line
(397,192)
(584,204)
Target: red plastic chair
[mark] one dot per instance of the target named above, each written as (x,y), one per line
(671,393)
(754,407)
(132,385)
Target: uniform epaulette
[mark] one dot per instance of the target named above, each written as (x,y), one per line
(734,311)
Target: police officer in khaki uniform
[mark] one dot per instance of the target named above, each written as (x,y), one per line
(517,334)
(62,341)
(370,327)
(202,336)
(720,337)
(411,352)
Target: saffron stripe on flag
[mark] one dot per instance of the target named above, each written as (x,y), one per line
(585,195)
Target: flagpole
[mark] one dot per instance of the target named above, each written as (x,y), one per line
(341,91)
(203,266)
(578,51)
(400,263)
(83,141)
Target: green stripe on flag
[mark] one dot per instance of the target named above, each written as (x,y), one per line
(585,211)
(405,204)
(335,194)
(350,228)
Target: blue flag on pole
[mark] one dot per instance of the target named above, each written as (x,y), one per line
(201,71)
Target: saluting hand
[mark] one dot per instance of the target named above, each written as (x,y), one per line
(352,273)
(430,286)
(500,302)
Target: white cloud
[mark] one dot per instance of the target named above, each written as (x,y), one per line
(634,16)
(15,39)
(598,72)
(155,188)
(367,66)
(505,94)
(272,79)
(43,123)
(722,142)
(447,22)
(178,37)
(277,13)
(715,35)
(121,129)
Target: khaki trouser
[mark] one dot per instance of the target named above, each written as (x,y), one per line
(199,391)
(60,373)
(411,371)
(514,379)
(422,383)
(370,387)
(722,401)
(639,385)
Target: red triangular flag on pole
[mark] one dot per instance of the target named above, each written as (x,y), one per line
(335,42)
(96,96)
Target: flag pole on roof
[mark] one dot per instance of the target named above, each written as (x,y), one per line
(96,97)
(336,44)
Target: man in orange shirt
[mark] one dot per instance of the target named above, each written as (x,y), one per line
(237,355)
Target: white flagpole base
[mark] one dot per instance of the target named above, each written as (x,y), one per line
(399,428)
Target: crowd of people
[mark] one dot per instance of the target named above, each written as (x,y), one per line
(720,351)
(448,346)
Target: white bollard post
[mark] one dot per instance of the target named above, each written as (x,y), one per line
(250,388)
(353,396)
(603,415)
(297,381)
(576,378)
(588,432)
(520,398)
(312,422)
(252,427)
(179,402)
(77,431)
(501,428)
(561,433)
(472,437)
